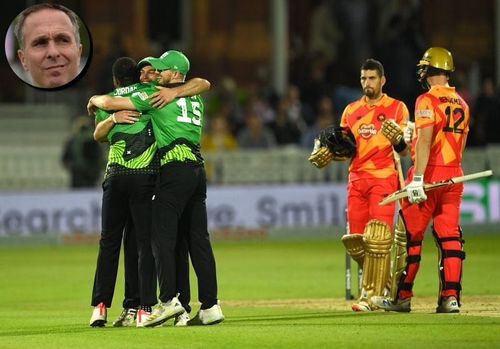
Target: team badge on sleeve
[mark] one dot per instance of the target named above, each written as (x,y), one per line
(424,113)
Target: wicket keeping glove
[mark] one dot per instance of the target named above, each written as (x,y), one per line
(415,190)
(321,155)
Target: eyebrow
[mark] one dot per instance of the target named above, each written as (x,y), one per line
(369,76)
(44,38)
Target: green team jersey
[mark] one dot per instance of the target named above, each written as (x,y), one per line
(177,126)
(132,146)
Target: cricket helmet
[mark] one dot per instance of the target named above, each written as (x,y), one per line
(435,60)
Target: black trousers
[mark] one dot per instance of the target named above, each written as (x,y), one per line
(182,264)
(126,201)
(182,193)
(131,262)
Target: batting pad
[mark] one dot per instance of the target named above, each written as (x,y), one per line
(399,255)
(377,239)
(355,247)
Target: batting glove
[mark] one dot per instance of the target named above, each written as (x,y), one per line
(415,190)
(408,132)
(392,131)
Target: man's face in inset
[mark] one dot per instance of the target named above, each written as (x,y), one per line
(51,53)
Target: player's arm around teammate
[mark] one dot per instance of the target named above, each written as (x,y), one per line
(103,127)
(192,87)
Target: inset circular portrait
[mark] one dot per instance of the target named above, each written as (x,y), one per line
(48,46)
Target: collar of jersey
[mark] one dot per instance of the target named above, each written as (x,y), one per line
(379,102)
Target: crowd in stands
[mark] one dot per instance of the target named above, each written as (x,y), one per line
(323,79)
(239,119)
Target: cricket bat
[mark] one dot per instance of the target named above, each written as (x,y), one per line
(400,194)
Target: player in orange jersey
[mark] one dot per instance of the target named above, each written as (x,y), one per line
(442,124)
(372,176)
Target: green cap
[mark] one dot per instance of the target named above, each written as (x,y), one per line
(171,60)
(145,61)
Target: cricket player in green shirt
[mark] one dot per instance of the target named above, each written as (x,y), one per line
(181,190)
(128,188)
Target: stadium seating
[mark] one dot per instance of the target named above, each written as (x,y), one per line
(475,159)
(493,154)
(276,166)
(31,141)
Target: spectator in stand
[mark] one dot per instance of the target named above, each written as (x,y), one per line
(315,85)
(216,141)
(298,112)
(258,102)
(325,118)
(486,111)
(82,157)
(226,100)
(285,130)
(255,135)
(218,138)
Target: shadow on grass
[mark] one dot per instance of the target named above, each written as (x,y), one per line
(35,331)
(375,319)
(277,319)
(341,319)
(295,316)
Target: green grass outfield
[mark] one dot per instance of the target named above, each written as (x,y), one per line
(275,294)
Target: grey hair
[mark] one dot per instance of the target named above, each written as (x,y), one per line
(21,18)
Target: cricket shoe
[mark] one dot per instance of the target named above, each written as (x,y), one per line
(164,311)
(99,316)
(126,318)
(181,319)
(142,317)
(361,306)
(399,305)
(210,316)
(448,305)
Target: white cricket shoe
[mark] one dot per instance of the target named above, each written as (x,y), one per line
(181,319)
(126,318)
(209,316)
(142,317)
(99,316)
(361,306)
(399,305)
(164,311)
(448,305)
